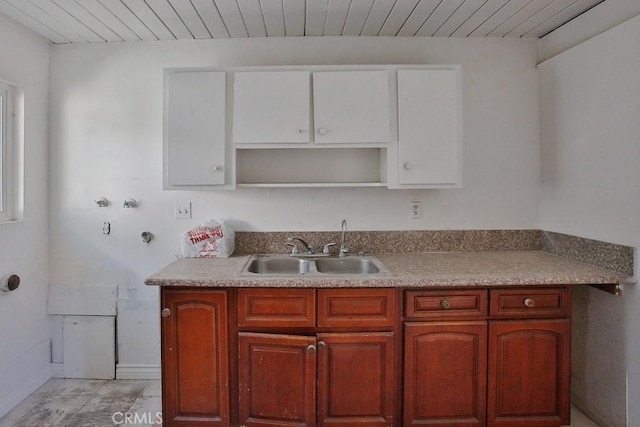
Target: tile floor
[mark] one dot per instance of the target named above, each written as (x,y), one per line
(106,403)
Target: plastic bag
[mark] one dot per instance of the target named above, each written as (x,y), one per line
(210,239)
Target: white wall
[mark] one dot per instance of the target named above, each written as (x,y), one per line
(24,332)
(590,132)
(106,139)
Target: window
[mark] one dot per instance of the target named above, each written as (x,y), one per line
(6,152)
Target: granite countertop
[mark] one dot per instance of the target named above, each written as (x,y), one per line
(413,269)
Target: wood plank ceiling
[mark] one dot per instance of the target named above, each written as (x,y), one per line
(99,21)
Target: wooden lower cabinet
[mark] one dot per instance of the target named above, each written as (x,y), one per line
(529,373)
(195,358)
(332,379)
(445,373)
(493,357)
(501,359)
(356,379)
(277,379)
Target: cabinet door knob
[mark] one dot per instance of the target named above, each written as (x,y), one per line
(322,131)
(166,312)
(321,345)
(311,349)
(529,302)
(445,303)
(407,166)
(216,168)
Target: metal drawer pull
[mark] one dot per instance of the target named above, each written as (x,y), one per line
(445,303)
(529,302)
(166,312)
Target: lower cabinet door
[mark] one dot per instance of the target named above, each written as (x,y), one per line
(445,373)
(277,379)
(195,359)
(356,379)
(529,373)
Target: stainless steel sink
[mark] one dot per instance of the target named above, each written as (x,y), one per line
(278,265)
(355,265)
(285,265)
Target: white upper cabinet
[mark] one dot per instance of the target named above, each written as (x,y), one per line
(271,107)
(194,128)
(351,107)
(429,127)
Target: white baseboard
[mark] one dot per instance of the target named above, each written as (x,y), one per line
(28,387)
(137,372)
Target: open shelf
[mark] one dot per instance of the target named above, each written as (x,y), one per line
(311,167)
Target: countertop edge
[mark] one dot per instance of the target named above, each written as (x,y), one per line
(436,269)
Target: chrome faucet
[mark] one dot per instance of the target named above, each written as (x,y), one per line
(344,249)
(294,250)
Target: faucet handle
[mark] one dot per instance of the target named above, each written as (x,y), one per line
(325,249)
(294,248)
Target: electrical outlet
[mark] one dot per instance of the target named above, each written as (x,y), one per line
(182,210)
(416,209)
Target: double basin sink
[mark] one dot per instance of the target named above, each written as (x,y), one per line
(285,265)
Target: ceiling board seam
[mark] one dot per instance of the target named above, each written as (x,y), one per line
(530,18)
(264,21)
(181,20)
(53,18)
(344,24)
(326,14)
(78,20)
(19,11)
(121,21)
(99,20)
(489,17)
(387,18)
(506,20)
(364,22)
(139,20)
(430,15)
(284,17)
(446,20)
(564,23)
(160,19)
(195,9)
(224,24)
(468,17)
(244,23)
(407,18)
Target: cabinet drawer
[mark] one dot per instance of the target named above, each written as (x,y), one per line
(445,304)
(364,308)
(276,307)
(526,303)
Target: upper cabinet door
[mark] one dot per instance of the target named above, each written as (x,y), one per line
(194,133)
(351,107)
(271,107)
(429,126)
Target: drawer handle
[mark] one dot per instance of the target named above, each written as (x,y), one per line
(445,303)
(166,312)
(529,302)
